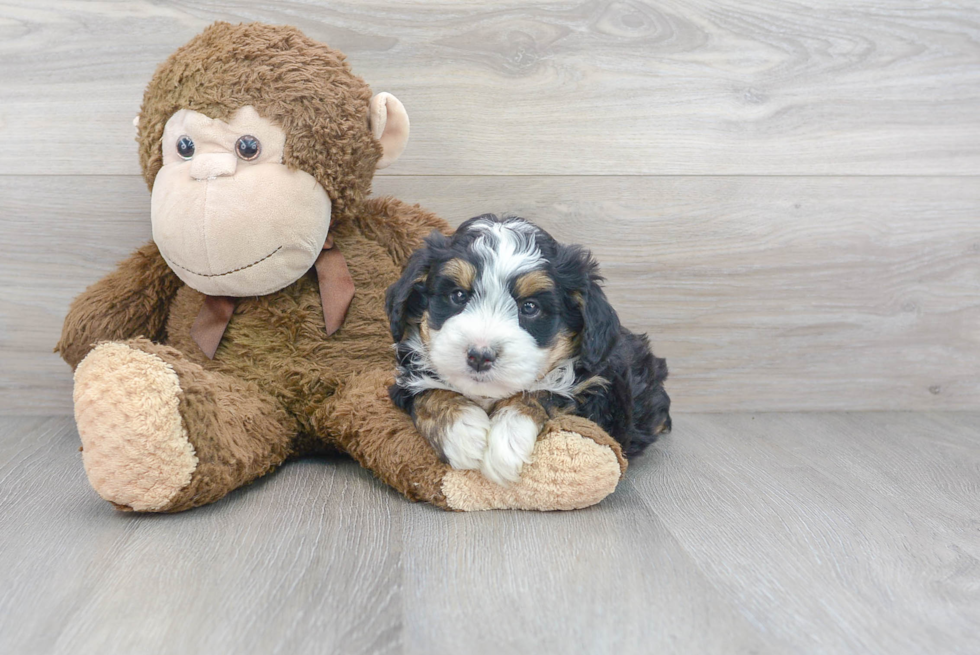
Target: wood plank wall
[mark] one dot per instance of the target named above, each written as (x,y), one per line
(785,195)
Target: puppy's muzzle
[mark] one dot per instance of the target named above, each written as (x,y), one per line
(481,359)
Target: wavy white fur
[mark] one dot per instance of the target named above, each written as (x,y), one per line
(509,445)
(465,443)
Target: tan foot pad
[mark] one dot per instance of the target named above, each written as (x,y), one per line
(135,447)
(567,471)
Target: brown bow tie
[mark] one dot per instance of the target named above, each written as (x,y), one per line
(336,292)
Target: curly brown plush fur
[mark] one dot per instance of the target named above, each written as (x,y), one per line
(301,85)
(277,386)
(274,366)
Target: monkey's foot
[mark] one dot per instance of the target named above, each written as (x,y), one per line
(136,450)
(574,465)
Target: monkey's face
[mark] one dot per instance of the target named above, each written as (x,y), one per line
(228,216)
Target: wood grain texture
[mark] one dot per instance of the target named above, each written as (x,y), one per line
(796,509)
(623,87)
(609,579)
(770,533)
(773,293)
(304,561)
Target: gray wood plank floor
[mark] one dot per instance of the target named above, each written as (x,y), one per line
(765,533)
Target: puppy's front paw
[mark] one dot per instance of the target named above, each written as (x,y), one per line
(512,438)
(465,439)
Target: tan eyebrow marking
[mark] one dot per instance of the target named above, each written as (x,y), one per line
(463,272)
(532,283)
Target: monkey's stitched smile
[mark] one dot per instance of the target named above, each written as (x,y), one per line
(234,270)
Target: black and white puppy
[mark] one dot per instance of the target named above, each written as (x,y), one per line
(501,327)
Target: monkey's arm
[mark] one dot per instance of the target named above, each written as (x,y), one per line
(575,463)
(131,301)
(398,226)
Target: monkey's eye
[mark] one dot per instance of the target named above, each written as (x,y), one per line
(248,147)
(530,309)
(459,297)
(185,147)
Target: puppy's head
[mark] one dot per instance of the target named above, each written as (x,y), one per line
(496,308)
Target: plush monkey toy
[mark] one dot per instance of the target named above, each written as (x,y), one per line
(244,334)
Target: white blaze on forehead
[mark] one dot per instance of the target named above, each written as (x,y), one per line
(491,319)
(506,249)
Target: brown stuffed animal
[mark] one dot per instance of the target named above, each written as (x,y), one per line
(235,340)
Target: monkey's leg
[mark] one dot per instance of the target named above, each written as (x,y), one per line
(574,464)
(162,434)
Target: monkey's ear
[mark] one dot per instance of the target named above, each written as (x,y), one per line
(389,125)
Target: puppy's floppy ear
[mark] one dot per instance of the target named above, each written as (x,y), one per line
(406,298)
(578,274)
(601,325)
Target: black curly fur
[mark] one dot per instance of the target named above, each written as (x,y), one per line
(633,407)
(630,403)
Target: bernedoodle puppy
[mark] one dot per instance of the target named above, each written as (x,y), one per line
(501,327)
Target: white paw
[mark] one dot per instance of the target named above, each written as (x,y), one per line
(466,439)
(512,438)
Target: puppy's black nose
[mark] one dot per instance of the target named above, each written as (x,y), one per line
(481,359)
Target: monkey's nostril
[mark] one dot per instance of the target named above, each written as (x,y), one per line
(481,359)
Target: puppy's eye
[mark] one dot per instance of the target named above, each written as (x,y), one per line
(530,309)
(248,147)
(185,147)
(459,297)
